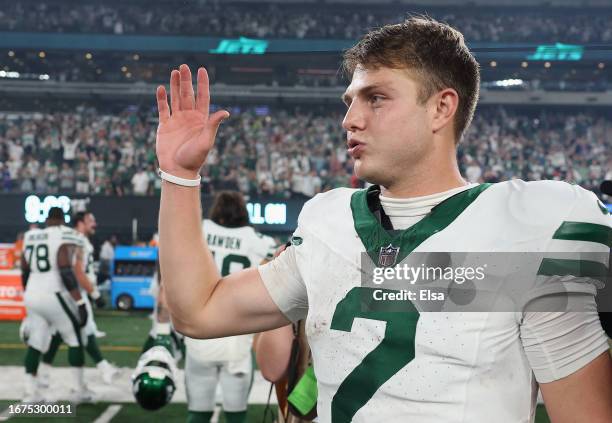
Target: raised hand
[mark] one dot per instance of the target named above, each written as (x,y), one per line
(186,134)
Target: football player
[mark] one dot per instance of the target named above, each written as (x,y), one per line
(85,225)
(161,315)
(413,91)
(235,245)
(153,380)
(53,300)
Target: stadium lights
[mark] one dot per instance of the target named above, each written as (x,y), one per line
(508,83)
(5,74)
(16,75)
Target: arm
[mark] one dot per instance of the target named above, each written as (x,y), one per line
(273,351)
(67,270)
(25,271)
(84,281)
(163,315)
(82,278)
(201,303)
(584,396)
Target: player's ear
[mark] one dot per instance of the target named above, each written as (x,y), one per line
(444,107)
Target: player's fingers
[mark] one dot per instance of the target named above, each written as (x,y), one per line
(162,104)
(203,99)
(175,82)
(187,95)
(214,121)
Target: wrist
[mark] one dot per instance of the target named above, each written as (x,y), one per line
(179,180)
(80,302)
(180,172)
(95,294)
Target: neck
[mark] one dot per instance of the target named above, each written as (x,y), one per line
(430,177)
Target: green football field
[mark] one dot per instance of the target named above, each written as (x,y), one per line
(126,333)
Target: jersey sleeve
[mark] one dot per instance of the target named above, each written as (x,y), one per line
(284,280)
(560,328)
(558,344)
(576,255)
(69,236)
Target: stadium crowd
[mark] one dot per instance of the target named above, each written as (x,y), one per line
(282,153)
(216,18)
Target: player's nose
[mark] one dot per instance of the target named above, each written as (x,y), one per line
(354,119)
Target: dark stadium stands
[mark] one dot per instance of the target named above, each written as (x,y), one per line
(295,20)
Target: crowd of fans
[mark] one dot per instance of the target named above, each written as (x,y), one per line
(283,153)
(274,20)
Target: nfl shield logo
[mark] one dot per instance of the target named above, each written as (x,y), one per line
(388,255)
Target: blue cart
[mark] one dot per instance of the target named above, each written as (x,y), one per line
(131,275)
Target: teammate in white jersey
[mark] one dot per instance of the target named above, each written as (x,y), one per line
(414,87)
(226,361)
(53,300)
(85,225)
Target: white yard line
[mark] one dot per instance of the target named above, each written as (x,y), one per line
(216,414)
(110,412)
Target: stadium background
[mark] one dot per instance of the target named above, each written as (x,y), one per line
(78,118)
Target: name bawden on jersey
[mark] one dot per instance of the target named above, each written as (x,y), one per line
(229,242)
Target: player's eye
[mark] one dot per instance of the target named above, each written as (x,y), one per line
(376,99)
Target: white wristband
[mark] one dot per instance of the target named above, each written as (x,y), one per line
(95,294)
(179,181)
(80,302)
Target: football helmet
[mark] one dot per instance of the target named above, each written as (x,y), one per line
(153,381)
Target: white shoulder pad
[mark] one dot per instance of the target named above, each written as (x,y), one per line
(324,206)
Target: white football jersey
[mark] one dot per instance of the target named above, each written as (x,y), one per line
(40,247)
(88,258)
(234,249)
(417,366)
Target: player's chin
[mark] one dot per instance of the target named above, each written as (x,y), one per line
(363,170)
(370,172)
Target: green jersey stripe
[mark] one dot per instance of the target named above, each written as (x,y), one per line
(581,231)
(579,268)
(374,236)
